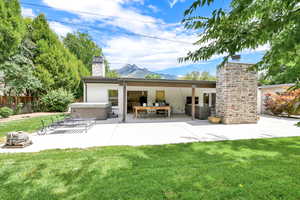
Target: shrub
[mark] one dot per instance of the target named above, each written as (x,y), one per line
(57,100)
(18,108)
(287,102)
(5,112)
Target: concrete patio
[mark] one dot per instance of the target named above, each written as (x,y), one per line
(162,132)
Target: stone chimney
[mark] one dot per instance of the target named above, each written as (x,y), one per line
(98,67)
(236,100)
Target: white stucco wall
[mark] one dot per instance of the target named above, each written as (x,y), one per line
(176,97)
(96,92)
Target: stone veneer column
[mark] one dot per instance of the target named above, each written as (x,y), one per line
(236,97)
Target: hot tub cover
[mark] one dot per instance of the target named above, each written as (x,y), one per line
(90,105)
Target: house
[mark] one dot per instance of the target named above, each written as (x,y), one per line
(234,102)
(266,89)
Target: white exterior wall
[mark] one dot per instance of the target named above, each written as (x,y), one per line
(176,97)
(98,93)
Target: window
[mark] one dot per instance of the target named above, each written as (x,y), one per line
(189,100)
(160,95)
(209,99)
(113,97)
(213,100)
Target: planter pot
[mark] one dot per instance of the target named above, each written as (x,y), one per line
(214,120)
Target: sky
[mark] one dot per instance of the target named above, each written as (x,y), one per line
(128,30)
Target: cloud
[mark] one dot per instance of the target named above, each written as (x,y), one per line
(28,12)
(60,29)
(121,48)
(173,2)
(120,13)
(145,52)
(153,8)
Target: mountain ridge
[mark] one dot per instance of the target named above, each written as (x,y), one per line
(133,71)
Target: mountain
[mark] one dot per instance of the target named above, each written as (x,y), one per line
(133,71)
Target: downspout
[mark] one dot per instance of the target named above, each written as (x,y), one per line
(124,102)
(85,92)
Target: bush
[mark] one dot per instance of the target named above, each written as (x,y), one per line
(287,102)
(56,100)
(5,112)
(18,108)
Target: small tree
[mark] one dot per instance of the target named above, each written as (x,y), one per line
(19,76)
(196,75)
(153,76)
(287,102)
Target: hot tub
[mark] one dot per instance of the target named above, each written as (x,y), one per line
(98,111)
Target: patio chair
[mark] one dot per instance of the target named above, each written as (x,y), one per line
(44,128)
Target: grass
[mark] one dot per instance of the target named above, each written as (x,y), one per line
(248,169)
(29,125)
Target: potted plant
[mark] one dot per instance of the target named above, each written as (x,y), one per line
(214,119)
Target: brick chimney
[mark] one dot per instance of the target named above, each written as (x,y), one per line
(98,67)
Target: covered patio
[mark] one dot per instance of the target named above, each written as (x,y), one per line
(179,98)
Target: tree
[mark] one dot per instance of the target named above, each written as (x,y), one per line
(112,74)
(108,72)
(153,76)
(56,66)
(18,70)
(196,75)
(82,45)
(11,28)
(85,49)
(287,102)
(247,25)
(19,76)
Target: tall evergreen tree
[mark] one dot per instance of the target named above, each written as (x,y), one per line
(56,66)
(11,28)
(82,45)
(85,49)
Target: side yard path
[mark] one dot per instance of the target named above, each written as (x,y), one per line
(31,124)
(27,116)
(245,169)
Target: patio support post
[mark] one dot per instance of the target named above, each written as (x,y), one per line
(84,92)
(124,102)
(193,101)
(210,99)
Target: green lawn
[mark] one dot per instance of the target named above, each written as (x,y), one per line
(249,169)
(29,125)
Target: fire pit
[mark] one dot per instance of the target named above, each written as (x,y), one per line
(18,139)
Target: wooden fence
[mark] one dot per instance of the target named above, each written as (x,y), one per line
(14,100)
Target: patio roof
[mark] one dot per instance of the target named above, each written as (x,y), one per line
(151,82)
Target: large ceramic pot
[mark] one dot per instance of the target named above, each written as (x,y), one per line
(214,120)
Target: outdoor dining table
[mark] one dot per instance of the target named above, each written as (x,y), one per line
(138,108)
